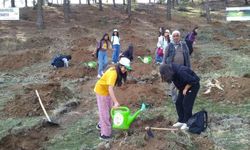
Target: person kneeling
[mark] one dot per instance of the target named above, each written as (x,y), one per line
(187,82)
(61,61)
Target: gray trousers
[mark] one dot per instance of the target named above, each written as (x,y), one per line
(173,92)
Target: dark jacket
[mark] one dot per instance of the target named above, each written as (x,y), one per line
(170,53)
(128,53)
(183,76)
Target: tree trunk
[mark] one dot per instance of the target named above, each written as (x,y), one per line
(129,11)
(114,3)
(226,1)
(169,10)
(177,2)
(26,4)
(40,21)
(207,12)
(4,3)
(88,2)
(246,2)
(124,2)
(100,5)
(66,10)
(13,3)
(80,2)
(149,2)
(173,3)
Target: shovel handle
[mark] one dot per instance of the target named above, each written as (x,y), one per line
(42,106)
(163,129)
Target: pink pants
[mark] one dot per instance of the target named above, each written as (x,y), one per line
(104,104)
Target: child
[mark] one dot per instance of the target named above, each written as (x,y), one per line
(102,54)
(115,40)
(163,41)
(104,89)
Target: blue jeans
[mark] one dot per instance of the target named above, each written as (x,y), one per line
(102,61)
(116,53)
(158,59)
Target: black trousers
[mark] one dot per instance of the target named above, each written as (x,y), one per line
(184,104)
(190,46)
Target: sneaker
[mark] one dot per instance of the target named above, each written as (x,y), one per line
(178,124)
(99,76)
(184,127)
(104,137)
(98,127)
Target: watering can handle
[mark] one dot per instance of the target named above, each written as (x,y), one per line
(112,112)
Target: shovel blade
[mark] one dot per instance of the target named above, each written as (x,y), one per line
(150,133)
(52,123)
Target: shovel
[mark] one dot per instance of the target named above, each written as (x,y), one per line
(150,133)
(45,112)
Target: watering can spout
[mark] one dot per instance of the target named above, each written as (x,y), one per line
(134,116)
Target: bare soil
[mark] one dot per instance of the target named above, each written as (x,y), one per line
(235,90)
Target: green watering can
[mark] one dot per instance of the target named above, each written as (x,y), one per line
(91,64)
(146,59)
(121,117)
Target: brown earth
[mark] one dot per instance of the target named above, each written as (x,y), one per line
(208,64)
(27,104)
(235,90)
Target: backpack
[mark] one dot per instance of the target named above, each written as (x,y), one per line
(198,122)
(160,51)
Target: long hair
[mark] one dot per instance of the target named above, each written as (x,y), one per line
(113,34)
(120,76)
(161,31)
(167,73)
(103,39)
(168,39)
(195,33)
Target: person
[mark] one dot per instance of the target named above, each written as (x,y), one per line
(61,61)
(190,39)
(163,41)
(128,53)
(177,52)
(104,89)
(187,82)
(105,45)
(115,40)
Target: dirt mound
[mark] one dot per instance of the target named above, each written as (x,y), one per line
(21,59)
(138,93)
(236,90)
(74,72)
(208,64)
(27,104)
(26,139)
